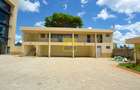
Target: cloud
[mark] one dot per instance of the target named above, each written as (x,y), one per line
(40,24)
(89,27)
(27,5)
(132,30)
(119,37)
(121,6)
(65,6)
(116,37)
(45,2)
(104,15)
(130,17)
(81,14)
(84,2)
(131,27)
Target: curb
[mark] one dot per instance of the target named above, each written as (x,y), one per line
(130,70)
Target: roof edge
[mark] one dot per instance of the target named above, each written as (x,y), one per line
(43,28)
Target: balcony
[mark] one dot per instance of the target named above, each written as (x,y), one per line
(59,41)
(64,39)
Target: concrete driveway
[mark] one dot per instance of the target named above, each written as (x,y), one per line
(40,73)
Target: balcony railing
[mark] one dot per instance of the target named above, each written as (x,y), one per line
(60,40)
(67,38)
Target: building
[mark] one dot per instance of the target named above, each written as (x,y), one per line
(136,42)
(8,14)
(67,42)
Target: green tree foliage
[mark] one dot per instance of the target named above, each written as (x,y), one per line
(63,20)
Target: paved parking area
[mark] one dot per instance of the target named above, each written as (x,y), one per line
(42,73)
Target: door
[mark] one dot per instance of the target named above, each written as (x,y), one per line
(98,51)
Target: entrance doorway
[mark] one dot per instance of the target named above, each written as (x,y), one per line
(98,51)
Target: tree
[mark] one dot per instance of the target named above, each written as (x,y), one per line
(63,20)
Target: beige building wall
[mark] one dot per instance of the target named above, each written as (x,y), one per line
(105,51)
(80,51)
(83,37)
(59,51)
(83,51)
(107,39)
(17,50)
(12,23)
(43,50)
(31,37)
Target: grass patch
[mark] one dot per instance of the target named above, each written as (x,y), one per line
(131,66)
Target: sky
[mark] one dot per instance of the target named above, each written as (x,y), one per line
(123,15)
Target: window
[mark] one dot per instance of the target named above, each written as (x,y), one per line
(98,46)
(4,18)
(88,38)
(99,38)
(56,37)
(4,25)
(107,47)
(3,32)
(107,35)
(42,35)
(3,5)
(67,35)
(76,36)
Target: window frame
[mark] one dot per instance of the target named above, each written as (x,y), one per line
(107,35)
(41,35)
(108,47)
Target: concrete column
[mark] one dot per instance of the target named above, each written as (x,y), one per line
(24,51)
(102,38)
(95,44)
(95,37)
(49,45)
(73,45)
(37,50)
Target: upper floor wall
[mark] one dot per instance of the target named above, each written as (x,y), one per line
(57,37)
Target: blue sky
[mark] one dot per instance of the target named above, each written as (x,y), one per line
(123,14)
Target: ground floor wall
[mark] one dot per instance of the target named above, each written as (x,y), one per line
(29,50)
(16,50)
(64,51)
(106,49)
(61,51)
(43,51)
(106,55)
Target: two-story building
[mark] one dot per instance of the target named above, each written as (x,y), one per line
(67,42)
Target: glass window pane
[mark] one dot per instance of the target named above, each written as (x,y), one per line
(4,6)
(2,31)
(4,18)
